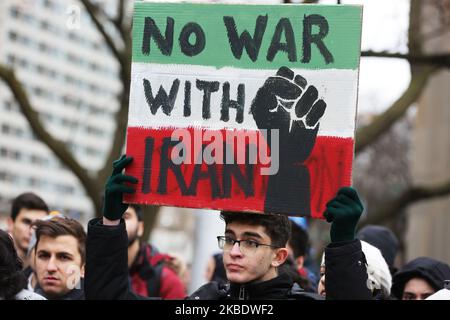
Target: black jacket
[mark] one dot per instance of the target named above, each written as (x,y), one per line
(74,294)
(106,275)
(279,288)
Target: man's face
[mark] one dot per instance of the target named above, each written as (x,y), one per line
(251,265)
(20,228)
(417,289)
(135,228)
(58,265)
(321,286)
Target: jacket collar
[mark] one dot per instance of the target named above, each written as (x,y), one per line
(74,294)
(276,288)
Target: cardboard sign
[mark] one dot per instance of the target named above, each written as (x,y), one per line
(243,107)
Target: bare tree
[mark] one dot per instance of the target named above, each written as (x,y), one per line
(423,66)
(118,40)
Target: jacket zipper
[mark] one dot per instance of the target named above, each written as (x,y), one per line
(242,293)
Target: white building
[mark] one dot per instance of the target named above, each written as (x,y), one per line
(71,80)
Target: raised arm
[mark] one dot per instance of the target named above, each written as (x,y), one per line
(106,275)
(345,263)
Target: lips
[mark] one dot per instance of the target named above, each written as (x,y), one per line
(234,267)
(51,280)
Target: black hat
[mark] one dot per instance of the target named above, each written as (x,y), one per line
(382,238)
(433,271)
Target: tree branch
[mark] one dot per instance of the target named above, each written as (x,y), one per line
(442,60)
(120,14)
(124,58)
(119,20)
(368,134)
(93,11)
(120,135)
(413,194)
(56,146)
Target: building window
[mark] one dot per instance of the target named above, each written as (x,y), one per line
(49,4)
(13,36)
(6,129)
(45,25)
(4,176)
(11,59)
(34,182)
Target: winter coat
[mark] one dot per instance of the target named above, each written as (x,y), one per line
(106,275)
(433,271)
(151,277)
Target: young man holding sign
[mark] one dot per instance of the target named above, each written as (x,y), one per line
(254,247)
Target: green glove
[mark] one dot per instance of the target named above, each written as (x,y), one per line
(113,207)
(344,211)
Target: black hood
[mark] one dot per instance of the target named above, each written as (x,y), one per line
(431,270)
(383,239)
(219,274)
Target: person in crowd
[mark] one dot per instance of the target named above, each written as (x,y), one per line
(254,247)
(59,259)
(12,279)
(299,248)
(152,273)
(379,276)
(30,270)
(384,239)
(420,278)
(215,270)
(25,209)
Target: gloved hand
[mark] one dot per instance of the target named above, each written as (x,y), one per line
(113,207)
(344,211)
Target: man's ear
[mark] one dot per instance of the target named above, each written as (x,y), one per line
(140,232)
(280,257)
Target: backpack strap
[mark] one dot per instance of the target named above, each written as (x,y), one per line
(153,276)
(154,282)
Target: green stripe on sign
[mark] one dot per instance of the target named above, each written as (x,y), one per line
(332,33)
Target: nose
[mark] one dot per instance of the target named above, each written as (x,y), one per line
(51,266)
(235,250)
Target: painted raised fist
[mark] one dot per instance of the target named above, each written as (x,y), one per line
(286,103)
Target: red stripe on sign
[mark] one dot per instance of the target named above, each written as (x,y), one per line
(236,187)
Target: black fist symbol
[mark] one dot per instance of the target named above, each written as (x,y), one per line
(285,102)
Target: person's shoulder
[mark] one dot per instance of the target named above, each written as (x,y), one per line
(297,293)
(211,291)
(25,294)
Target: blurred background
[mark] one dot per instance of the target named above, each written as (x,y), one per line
(64,86)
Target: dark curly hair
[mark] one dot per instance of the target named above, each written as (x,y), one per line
(277,226)
(12,280)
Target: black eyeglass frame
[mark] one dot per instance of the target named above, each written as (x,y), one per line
(223,238)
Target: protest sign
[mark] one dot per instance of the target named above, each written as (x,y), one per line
(243,107)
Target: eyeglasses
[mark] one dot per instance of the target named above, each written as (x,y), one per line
(246,246)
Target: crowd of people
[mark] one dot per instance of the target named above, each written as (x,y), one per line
(46,255)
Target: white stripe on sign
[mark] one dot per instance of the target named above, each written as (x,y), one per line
(337,87)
